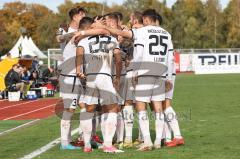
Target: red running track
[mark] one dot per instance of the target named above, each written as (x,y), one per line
(25,110)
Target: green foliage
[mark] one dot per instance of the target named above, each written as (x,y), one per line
(192,23)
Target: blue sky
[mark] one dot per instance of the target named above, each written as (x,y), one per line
(52,4)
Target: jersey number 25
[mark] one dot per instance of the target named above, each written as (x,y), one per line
(158,41)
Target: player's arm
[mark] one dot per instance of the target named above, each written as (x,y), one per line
(91,32)
(79,61)
(124,33)
(65,37)
(118,64)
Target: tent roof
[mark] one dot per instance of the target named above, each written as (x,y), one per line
(28,48)
(35,49)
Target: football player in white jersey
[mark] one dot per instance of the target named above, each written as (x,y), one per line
(171,122)
(97,52)
(155,46)
(112,20)
(64,35)
(128,113)
(136,22)
(70,95)
(70,91)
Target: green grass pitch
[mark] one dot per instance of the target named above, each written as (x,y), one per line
(209,110)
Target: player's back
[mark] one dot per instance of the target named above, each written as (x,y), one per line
(98,53)
(156,43)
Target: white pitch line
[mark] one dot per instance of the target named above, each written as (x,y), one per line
(28,112)
(20,126)
(17,104)
(46,147)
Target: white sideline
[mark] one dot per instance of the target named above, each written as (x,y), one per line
(17,105)
(20,126)
(29,112)
(46,147)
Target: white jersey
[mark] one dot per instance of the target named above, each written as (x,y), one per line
(155,51)
(61,31)
(98,54)
(68,66)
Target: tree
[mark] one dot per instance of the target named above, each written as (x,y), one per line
(45,34)
(212,34)
(232,25)
(186,23)
(141,5)
(63,10)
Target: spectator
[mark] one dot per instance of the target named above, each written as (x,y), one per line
(13,81)
(36,82)
(35,63)
(20,50)
(24,73)
(47,74)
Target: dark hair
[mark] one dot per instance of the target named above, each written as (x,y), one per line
(81,9)
(138,15)
(150,13)
(15,65)
(72,13)
(159,18)
(120,15)
(85,21)
(98,17)
(75,11)
(112,16)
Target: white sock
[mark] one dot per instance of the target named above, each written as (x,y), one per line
(167,132)
(110,128)
(120,127)
(80,138)
(144,126)
(66,128)
(173,122)
(103,119)
(128,118)
(159,125)
(86,126)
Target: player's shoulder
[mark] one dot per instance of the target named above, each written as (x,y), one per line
(69,46)
(162,31)
(83,41)
(71,30)
(155,29)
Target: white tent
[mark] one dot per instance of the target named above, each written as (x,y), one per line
(35,49)
(25,49)
(28,48)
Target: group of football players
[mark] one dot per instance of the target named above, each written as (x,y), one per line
(112,71)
